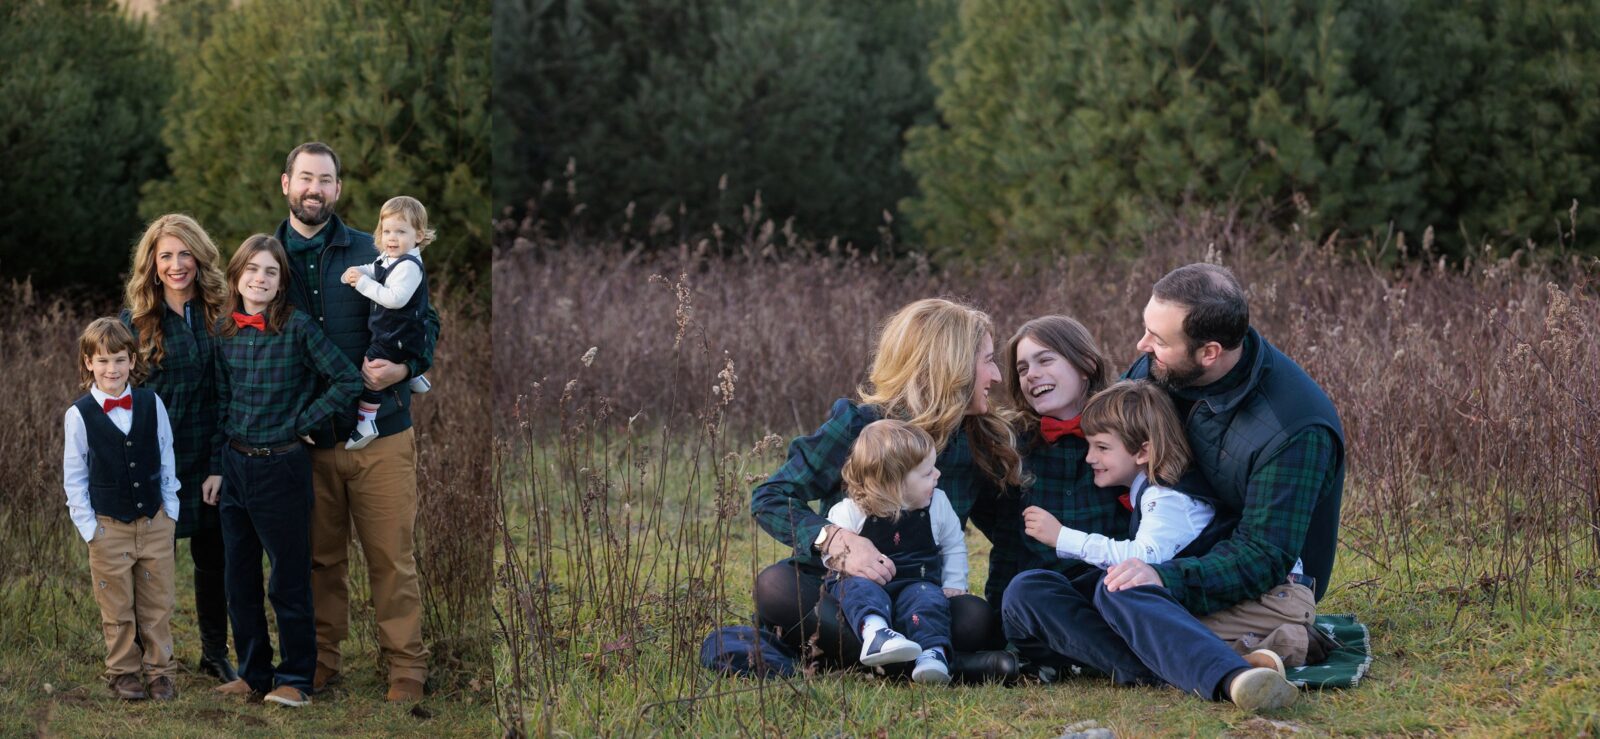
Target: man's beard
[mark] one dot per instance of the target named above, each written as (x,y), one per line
(1174,377)
(324,211)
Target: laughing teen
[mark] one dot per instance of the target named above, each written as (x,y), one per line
(270,358)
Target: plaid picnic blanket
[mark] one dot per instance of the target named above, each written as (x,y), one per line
(1346,665)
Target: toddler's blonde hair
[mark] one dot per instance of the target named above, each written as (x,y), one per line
(883,456)
(409,208)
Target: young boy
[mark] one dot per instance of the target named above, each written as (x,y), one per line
(271,361)
(122,492)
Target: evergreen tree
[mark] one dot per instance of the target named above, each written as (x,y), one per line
(655,101)
(82,87)
(400,89)
(1065,122)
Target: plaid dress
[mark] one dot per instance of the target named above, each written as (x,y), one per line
(1063,485)
(185,381)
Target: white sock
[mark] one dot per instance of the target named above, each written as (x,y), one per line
(870,625)
(366,412)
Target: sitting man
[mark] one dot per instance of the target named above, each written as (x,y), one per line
(1268,443)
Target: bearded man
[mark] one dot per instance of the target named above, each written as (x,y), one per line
(374,487)
(1268,443)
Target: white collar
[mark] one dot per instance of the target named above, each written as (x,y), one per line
(101,398)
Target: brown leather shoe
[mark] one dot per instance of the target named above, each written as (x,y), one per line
(237,687)
(286,696)
(404,690)
(127,687)
(162,689)
(323,677)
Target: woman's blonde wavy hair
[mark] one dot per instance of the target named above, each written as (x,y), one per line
(924,372)
(143,294)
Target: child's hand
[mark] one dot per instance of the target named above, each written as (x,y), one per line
(210,489)
(351,276)
(953,592)
(1039,524)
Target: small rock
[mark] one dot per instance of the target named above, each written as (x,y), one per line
(1087,730)
(48,688)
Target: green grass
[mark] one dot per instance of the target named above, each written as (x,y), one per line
(1448,659)
(52,657)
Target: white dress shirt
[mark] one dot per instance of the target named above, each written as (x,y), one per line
(75,460)
(1168,522)
(396,289)
(946,533)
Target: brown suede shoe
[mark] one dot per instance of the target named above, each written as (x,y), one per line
(404,690)
(237,687)
(323,677)
(286,696)
(162,689)
(127,687)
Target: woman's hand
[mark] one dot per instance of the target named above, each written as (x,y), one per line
(952,592)
(210,489)
(351,276)
(855,555)
(1039,524)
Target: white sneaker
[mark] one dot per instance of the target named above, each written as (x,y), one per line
(419,385)
(365,432)
(1261,689)
(931,669)
(886,647)
(1267,658)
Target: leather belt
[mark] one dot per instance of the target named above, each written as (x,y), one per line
(1306,580)
(263,451)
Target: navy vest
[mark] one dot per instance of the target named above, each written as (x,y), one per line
(909,543)
(1231,432)
(124,469)
(400,330)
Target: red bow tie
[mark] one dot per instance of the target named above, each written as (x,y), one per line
(125,401)
(1053,429)
(241,320)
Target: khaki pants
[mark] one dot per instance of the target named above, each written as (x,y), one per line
(375,489)
(1280,620)
(132,568)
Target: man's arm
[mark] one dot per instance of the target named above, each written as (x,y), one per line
(423,362)
(1279,499)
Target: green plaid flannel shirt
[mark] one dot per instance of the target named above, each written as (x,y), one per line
(1063,484)
(186,381)
(1275,511)
(783,504)
(267,383)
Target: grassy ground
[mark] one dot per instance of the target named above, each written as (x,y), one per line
(53,655)
(1453,655)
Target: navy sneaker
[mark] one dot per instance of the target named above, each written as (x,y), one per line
(887,647)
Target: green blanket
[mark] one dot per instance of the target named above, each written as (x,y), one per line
(1345,667)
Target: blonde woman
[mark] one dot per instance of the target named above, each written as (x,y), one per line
(175,293)
(933,369)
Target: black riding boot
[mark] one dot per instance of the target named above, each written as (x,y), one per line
(211,604)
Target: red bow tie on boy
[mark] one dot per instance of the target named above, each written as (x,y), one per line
(241,320)
(125,402)
(1053,429)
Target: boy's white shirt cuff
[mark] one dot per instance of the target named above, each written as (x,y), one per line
(1070,543)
